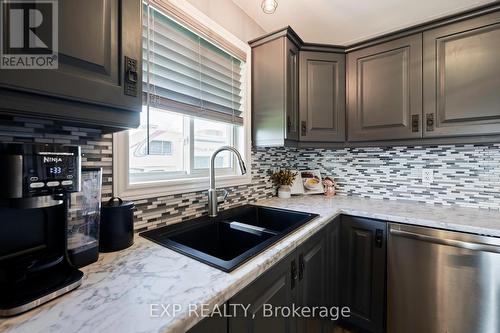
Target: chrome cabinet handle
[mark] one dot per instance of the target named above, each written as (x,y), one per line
(446,241)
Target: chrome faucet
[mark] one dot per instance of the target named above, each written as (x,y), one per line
(213,199)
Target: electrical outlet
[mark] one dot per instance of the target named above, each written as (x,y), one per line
(427,176)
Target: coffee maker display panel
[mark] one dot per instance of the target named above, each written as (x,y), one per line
(28,170)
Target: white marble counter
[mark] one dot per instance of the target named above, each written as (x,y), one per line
(117,290)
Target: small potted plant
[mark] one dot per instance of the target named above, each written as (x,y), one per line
(284,179)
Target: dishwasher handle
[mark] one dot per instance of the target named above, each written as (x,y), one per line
(446,241)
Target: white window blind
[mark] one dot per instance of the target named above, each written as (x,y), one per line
(185,73)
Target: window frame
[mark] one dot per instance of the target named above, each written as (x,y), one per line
(198,181)
(162,151)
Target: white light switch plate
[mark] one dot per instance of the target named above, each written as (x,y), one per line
(427,176)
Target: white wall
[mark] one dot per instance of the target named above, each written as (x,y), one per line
(231,17)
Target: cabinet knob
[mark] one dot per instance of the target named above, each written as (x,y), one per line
(303,128)
(131,77)
(288,124)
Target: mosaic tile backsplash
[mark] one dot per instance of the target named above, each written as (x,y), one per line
(466,175)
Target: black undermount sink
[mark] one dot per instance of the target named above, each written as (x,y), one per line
(228,240)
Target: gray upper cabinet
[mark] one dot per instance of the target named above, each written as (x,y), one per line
(385,91)
(462,78)
(322,96)
(435,83)
(98,79)
(292,90)
(275,89)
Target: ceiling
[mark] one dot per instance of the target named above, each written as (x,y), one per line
(344,22)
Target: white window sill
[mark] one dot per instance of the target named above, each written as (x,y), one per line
(178,186)
(130,191)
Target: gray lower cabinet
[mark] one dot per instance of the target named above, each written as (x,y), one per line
(462,78)
(210,325)
(344,264)
(362,272)
(322,96)
(333,248)
(276,288)
(275,90)
(385,91)
(302,278)
(98,80)
(312,291)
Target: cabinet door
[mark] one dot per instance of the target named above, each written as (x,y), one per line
(363,272)
(292,91)
(94,38)
(462,78)
(275,288)
(313,277)
(322,96)
(385,91)
(268,93)
(210,325)
(333,266)
(333,257)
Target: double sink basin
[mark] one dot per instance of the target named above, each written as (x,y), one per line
(233,237)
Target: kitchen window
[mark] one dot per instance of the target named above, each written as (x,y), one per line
(195,87)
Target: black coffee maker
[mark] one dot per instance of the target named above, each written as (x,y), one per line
(35,181)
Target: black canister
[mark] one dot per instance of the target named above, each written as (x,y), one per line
(116,231)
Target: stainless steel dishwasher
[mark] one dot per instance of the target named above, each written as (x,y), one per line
(442,281)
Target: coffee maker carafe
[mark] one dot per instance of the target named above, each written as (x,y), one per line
(35,182)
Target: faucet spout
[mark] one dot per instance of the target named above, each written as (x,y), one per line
(213,199)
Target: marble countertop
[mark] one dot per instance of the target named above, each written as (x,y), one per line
(118,290)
